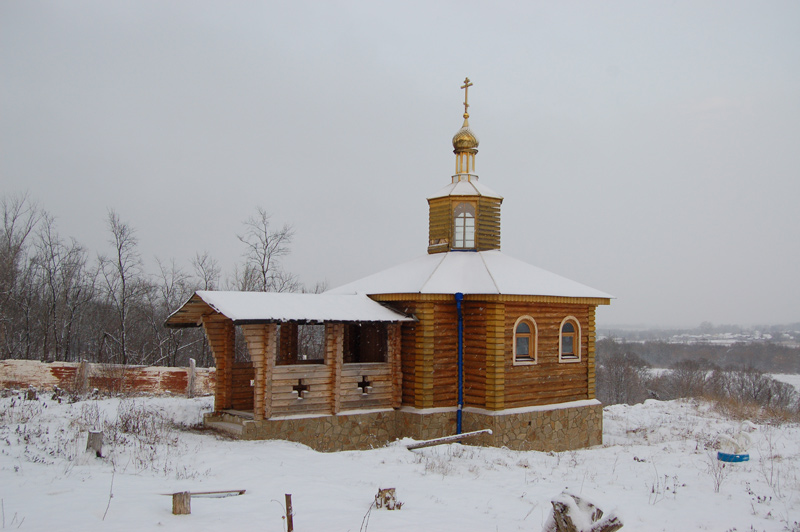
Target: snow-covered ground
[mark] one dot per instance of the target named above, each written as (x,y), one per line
(656,470)
(790,378)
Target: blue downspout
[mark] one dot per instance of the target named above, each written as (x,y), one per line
(459,296)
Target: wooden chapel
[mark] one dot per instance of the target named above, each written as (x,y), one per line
(461,339)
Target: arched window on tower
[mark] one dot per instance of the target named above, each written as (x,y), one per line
(464,226)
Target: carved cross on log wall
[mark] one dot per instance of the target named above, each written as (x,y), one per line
(365,386)
(300,389)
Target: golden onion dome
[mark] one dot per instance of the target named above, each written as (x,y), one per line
(465,139)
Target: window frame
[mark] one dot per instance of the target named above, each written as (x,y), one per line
(576,341)
(465,211)
(533,345)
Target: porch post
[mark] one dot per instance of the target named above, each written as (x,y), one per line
(394,342)
(334,355)
(261,343)
(220,333)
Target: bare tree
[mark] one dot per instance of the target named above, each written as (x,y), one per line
(318,288)
(688,379)
(55,304)
(206,277)
(173,287)
(283,281)
(20,217)
(621,378)
(67,286)
(206,271)
(264,247)
(242,279)
(25,306)
(123,281)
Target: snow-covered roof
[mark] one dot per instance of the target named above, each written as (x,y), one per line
(264,307)
(466,188)
(468,272)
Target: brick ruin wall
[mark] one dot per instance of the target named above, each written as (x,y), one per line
(109,378)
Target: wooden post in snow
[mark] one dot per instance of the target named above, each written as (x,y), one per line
(191,380)
(289,515)
(182,503)
(82,378)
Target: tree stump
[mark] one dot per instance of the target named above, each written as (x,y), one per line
(182,503)
(387,498)
(568,508)
(95,442)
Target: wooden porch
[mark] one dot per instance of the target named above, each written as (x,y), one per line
(357,366)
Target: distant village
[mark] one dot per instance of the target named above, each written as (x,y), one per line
(708,334)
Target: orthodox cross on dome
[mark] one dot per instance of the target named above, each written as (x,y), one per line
(467,84)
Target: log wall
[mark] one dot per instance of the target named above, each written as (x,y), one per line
(498,348)
(474,354)
(316,400)
(424,347)
(440,222)
(487,235)
(379,375)
(395,359)
(491,380)
(591,338)
(548,381)
(445,356)
(408,362)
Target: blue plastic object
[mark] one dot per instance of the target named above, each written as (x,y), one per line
(729,457)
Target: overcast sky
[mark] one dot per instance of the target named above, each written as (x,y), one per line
(647,149)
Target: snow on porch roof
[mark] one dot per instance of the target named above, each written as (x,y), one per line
(469,272)
(265,307)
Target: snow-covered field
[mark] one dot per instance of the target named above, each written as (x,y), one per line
(656,470)
(792,379)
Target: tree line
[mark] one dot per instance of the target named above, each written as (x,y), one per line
(765,356)
(738,385)
(60,302)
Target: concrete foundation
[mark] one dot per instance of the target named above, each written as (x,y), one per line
(560,427)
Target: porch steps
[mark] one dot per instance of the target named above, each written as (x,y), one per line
(234,429)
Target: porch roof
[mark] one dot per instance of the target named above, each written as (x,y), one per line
(270,307)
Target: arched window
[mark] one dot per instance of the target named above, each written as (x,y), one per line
(525,341)
(569,344)
(464,226)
